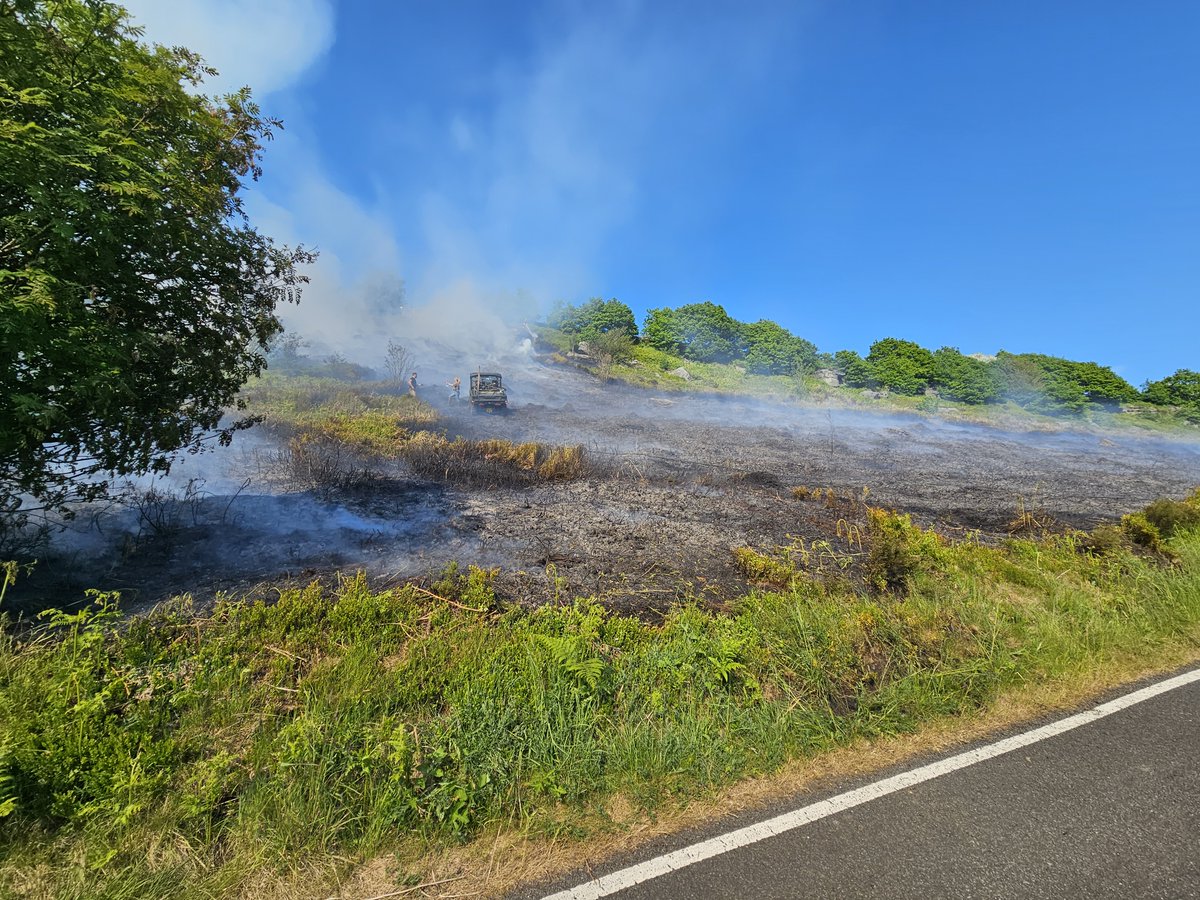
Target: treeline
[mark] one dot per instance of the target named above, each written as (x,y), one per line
(698,331)
(705,332)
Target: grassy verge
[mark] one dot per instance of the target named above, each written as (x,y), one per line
(273,746)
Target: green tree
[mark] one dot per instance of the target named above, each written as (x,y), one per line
(1023,379)
(660,330)
(902,366)
(135,299)
(856,371)
(1050,383)
(593,318)
(963,378)
(1180,389)
(1100,384)
(770,349)
(699,331)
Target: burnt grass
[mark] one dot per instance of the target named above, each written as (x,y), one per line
(675,484)
(670,487)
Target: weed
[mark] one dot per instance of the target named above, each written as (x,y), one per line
(850,532)
(828,495)
(10,570)
(1030,520)
(898,551)
(762,569)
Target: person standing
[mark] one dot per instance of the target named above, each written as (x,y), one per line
(455,389)
(412,385)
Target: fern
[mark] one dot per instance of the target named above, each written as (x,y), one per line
(570,655)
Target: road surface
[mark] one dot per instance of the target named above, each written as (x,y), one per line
(1102,804)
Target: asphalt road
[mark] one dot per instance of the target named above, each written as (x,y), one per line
(1109,809)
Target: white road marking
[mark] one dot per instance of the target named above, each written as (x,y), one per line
(671,862)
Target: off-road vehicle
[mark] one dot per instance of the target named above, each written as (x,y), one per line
(487,392)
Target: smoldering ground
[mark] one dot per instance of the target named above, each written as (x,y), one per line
(672,486)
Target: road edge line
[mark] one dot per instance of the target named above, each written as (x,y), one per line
(609,884)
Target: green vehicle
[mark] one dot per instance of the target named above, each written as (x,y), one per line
(487,392)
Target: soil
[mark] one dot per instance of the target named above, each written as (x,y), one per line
(674,484)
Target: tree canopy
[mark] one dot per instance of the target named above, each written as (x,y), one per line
(700,331)
(135,298)
(770,349)
(902,366)
(1180,389)
(1048,383)
(963,378)
(595,317)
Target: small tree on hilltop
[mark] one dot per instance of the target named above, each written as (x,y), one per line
(593,318)
(964,378)
(1180,389)
(660,330)
(770,349)
(855,371)
(700,331)
(902,366)
(608,317)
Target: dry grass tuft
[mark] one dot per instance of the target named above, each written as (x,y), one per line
(563,464)
(1030,520)
(492,462)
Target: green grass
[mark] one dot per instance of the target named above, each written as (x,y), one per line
(279,740)
(369,415)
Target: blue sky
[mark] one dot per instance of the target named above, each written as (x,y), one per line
(988,175)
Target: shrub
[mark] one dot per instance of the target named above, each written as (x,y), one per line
(1142,531)
(1104,540)
(1169,516)
(611,348)
(898,550)
(314,462)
